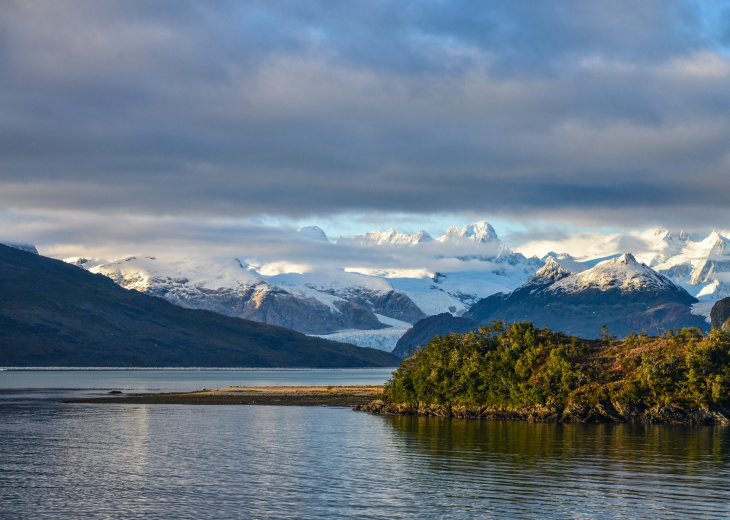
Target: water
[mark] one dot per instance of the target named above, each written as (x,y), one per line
(174,461)
(183,380)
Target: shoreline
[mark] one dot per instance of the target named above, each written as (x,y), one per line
(367,398)
(303,395)
(573,413)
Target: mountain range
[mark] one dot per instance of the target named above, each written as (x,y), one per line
(375,305)
(621,293)
(617,296)
(55,314)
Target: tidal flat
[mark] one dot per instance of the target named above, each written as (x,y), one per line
(297,395)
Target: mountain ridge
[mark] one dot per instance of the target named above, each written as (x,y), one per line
(427,276)
(56,314)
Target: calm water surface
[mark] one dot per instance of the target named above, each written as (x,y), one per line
(174,461)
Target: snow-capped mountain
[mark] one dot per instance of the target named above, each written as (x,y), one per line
(664,244)
(473,234)
(621,293)
(478,233)
(698,263)
(231,287)
(702,266)
(422,277)
(567,261)
(349,303)
(472,263)
(549,273)
(624,274)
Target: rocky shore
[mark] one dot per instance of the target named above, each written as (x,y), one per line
(570,414)
(367,399)
(348,396)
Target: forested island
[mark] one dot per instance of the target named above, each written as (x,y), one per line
(519,371)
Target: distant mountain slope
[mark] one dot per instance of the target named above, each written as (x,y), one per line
(621,293)
(701,266)
(303,302)
(56,314)
(720,314)
(698,262)
(426,329)
(326,299)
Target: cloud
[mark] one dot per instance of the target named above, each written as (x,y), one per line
(592,112)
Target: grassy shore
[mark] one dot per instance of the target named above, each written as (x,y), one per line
(253,395)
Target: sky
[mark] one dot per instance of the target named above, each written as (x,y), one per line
(174,125)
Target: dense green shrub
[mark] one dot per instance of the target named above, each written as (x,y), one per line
(518,365)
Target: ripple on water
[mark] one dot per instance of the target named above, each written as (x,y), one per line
(127,461)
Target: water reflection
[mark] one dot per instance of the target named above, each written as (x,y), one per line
(569,471)
(175,461)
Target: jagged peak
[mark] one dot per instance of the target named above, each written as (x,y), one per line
(479,232)
(557,256)
(623,272)
(567,261)
(551,264)
(626,258)
(716,238)
(662,234)
(423,236)
(551,272)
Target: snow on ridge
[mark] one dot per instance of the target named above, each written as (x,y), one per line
(566,261)
(387,237)
(624,273)
(334,279)
(28,248)
(714,247)
(479,232)
(139,272)
(551,272)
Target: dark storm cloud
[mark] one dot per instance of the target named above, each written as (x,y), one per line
(586,111)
